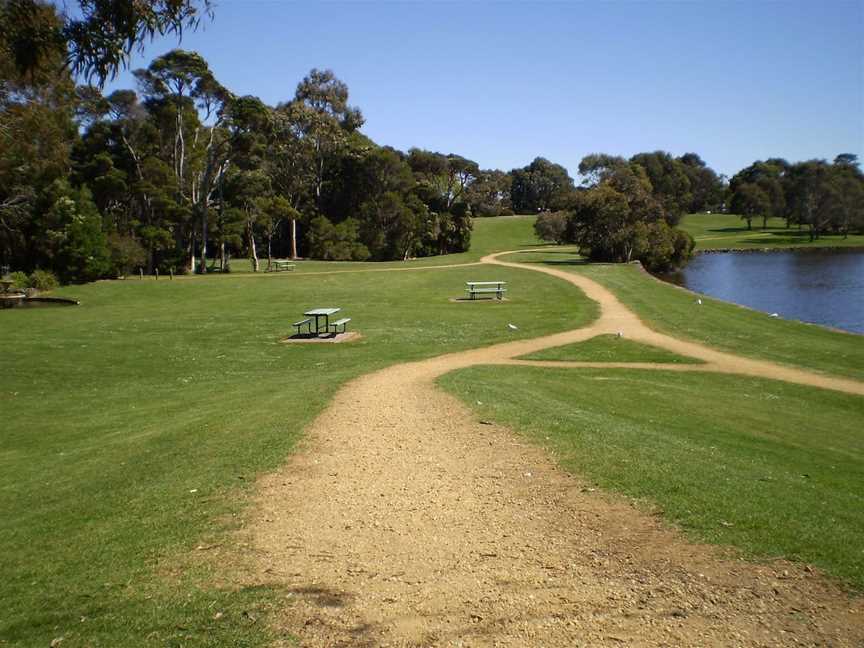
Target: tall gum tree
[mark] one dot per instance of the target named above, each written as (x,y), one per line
(201,148)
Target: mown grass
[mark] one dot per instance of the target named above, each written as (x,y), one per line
(133,424)
(719,324)
(610,348)
(772,468)
(729,231)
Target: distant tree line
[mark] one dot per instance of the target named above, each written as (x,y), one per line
(823,197)
(182,174)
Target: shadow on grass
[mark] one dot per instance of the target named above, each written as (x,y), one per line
(720,230)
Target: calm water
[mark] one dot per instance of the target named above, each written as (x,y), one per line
(820,287)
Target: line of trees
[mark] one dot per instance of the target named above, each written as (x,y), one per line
(823,197)
(182,174)
(182,171)
(627,210)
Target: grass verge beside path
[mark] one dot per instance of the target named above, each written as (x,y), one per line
(772,468)
(610,348)
(673,310)
(729,231)
(133,423)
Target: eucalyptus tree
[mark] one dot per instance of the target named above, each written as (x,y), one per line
(596,167)
(37,134)
(182,82)
(489,193)
(540,186)
(93,39)
(669,181)
(706,187)
(290,163)
(750,201)
(771,176)
(620,219)
(324,119)
(445,178)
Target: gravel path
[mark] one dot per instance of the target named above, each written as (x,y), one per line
(402,521)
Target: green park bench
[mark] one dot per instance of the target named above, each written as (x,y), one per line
(475,288)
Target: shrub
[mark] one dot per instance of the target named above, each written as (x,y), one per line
(336,242)
(127,254)
(43,280)
(551,226)
(20,280)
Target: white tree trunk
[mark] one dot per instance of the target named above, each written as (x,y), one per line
(252,249)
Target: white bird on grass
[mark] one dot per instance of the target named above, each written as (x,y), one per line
(699,301)
(513,327)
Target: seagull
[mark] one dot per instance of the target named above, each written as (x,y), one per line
(513,327)
(699,301)
(774,315)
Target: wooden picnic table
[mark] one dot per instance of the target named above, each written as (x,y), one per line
(318,313)
(475,288)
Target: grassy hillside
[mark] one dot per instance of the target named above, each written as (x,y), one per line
(722,231)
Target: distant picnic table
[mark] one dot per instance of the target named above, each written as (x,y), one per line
(474,288)
(277,266)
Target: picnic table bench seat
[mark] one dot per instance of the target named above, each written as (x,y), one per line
(277,266)
(306,322)
(340,322)
(488,290)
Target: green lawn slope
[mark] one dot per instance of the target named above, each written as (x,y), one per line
(729,231)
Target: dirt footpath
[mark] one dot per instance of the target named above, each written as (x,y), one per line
(402,521)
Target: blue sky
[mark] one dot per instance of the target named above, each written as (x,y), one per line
(502,83)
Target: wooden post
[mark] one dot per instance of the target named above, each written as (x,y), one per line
(156,270)
(171,270)
(140,273)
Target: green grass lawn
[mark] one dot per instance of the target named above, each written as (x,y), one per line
(719,324)
(722,231)
(772,468)
(610,348)
(133,423)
